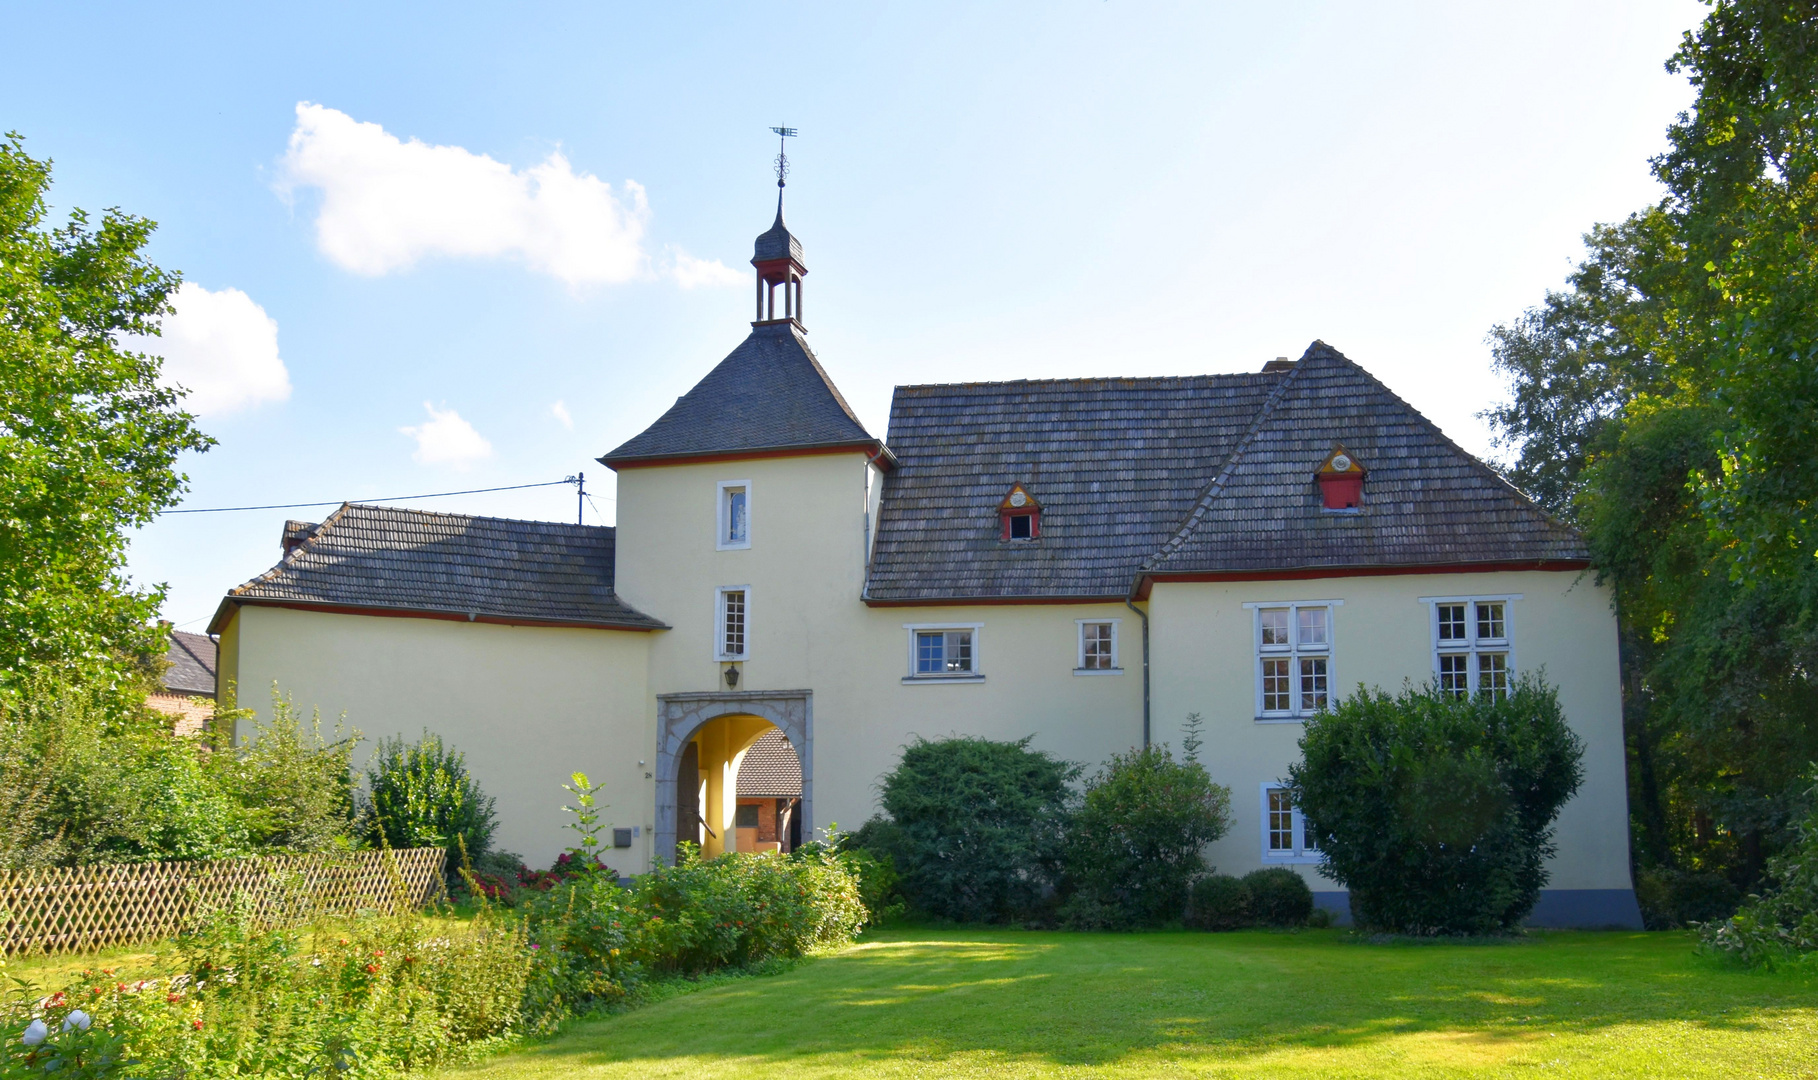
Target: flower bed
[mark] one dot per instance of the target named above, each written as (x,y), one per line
(376,995)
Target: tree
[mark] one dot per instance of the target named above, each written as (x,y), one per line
(1436,811)
(88,438)
(1667,401)
(420,795)
(973,826)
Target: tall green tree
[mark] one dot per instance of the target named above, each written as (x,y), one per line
(1667,401)
(88,438)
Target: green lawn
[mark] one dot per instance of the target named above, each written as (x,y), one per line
(1009,1003)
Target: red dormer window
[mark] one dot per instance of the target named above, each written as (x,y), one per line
(1341,480)
(1019,515)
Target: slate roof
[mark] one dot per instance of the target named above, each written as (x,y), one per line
(419,561)
(770,769)
(1116,464)
(770,393)
(1426,500)
(777,242)
(192,664)
(1204,475)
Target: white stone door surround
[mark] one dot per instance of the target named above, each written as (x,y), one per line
(679,716)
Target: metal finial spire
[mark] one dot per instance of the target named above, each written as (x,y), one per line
(782,157)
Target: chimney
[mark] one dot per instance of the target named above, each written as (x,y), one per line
(1280,363)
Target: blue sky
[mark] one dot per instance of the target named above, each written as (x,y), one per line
(984,192)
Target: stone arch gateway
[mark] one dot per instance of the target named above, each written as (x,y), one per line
(679,716)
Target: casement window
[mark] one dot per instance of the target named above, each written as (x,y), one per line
(734,516)
(944,653)
(1293,658)
(1097,647)
(1284,830)
(734,622)
(1473,647)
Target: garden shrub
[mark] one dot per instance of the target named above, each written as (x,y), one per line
(1780,925)
(973,827)
(419,795)
(1437,811)
(1219,902)
(1135,844)
(1279,896)
(82,784)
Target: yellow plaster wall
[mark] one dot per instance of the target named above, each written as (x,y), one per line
(808,628)
(1563,625)
(527,705)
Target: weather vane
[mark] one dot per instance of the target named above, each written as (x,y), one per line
(782,158)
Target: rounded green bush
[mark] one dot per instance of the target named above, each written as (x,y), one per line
(1279,896)
(1219,902)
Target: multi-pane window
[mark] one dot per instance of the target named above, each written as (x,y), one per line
(1285,835)
(1472,647)
(943,652)
(1293,646)
(734,515)
(1098,646)
(732,624)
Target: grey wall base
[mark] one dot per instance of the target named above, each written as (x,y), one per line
(1558,909)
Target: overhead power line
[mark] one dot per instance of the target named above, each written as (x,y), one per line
(385,498)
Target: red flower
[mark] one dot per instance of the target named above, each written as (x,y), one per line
(197,1024)
(380,953)
(57,998)
(173,998)
(372,969)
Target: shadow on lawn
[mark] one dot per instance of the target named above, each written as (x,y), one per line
(1083,999)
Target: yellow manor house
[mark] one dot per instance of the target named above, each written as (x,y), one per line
(787,600)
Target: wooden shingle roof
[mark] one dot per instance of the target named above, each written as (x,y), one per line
(384,558)
(1115,464)
(1426,501)
(1143,478)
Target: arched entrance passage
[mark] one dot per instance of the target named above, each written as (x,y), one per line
(726,725)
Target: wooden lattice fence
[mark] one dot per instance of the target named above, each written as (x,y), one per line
(83,908)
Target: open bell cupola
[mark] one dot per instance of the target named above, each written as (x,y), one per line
(777,256)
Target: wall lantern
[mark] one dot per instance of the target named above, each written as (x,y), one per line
(732,676)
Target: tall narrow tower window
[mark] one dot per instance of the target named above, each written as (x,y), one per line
(734,614)
(734,515)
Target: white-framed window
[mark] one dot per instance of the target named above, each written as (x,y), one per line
(1293,658)
(732,622)
(944,652)
(734,515)
(1284,830)
(1097,653)
(1473,644)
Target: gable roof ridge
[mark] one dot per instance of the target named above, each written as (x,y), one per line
(284,559)
(1476,462)
(1205,378)
(1201,504)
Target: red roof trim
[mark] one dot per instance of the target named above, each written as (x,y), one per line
(971,601)
(1148,581)
(412,613)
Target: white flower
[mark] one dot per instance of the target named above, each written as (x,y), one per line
(36,1034)
(76,1019)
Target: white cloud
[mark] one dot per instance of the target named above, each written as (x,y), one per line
(689,271)
(221,347)
(447,439)
(387,203)
(560,412)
